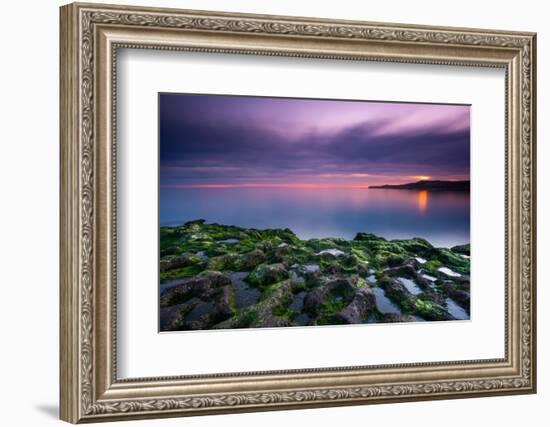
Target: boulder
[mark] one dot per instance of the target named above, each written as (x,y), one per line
(250,260)
(362,303)
(267,274)
(461,296)
(171,262)
(339,287)
(199,286)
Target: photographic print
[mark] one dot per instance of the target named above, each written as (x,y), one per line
(281,212)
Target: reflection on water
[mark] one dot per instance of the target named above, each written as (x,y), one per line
(410,285)
(422,201)
(383,303)
(455,310)
(443,218)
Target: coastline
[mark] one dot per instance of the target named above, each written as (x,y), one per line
(225,276)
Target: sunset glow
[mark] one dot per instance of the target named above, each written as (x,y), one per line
(210,141)
(422,200)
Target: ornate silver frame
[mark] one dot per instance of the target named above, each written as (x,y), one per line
(90,36)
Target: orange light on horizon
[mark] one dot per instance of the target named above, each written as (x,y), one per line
(311,186)
(423,177)
(422,201)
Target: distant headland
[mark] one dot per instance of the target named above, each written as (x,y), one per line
(428,185)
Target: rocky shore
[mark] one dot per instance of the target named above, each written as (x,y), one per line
(216,276)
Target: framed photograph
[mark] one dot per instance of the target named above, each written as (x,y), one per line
(265,212)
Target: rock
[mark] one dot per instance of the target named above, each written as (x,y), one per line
(223,262)
(266,274)
(431,311)
(250,260)
(408,270)
(278,297)
(461,296)
(461,249)
(309,273)
(178,261)
(341,288)
(368,237)
(201,285)
(171,316)
(398,318)
(314,299)
(363,269)
(362,303)
(213,307)
(282,249)
(271,322)
(333,268)
(395,290)
(223,306)
(329,274)
(264,246)
(170,250)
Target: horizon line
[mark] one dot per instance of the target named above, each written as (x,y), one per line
(295,185)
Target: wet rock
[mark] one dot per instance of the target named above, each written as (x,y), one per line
(461,249)
(266,274)
(249,261)
(397,292)
(170,250)
(368,237)
(334,289)
(398,318)
(265,313)
(222,262)
(171,316)
(223,308)
(461,296)
(202,313)
(265,246)
(309,274)
(431,311)
(282,249)
(325,277)
(271,322)
(408,269)
(362,268)
(178,261)
(362,303)
(202,285)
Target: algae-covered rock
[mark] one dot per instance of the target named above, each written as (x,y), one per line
(206,267)
(171,262)
(202,285)
(266,274)
(362,303)
(337,290)
(461,249)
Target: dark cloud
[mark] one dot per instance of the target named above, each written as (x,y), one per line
(206,140)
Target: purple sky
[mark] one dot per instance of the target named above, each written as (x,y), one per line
(216,141)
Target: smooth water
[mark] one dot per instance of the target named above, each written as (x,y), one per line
(410,285)
(443,218)
(383,303)
(455,310)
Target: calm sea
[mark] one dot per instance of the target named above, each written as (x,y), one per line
(443,218)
